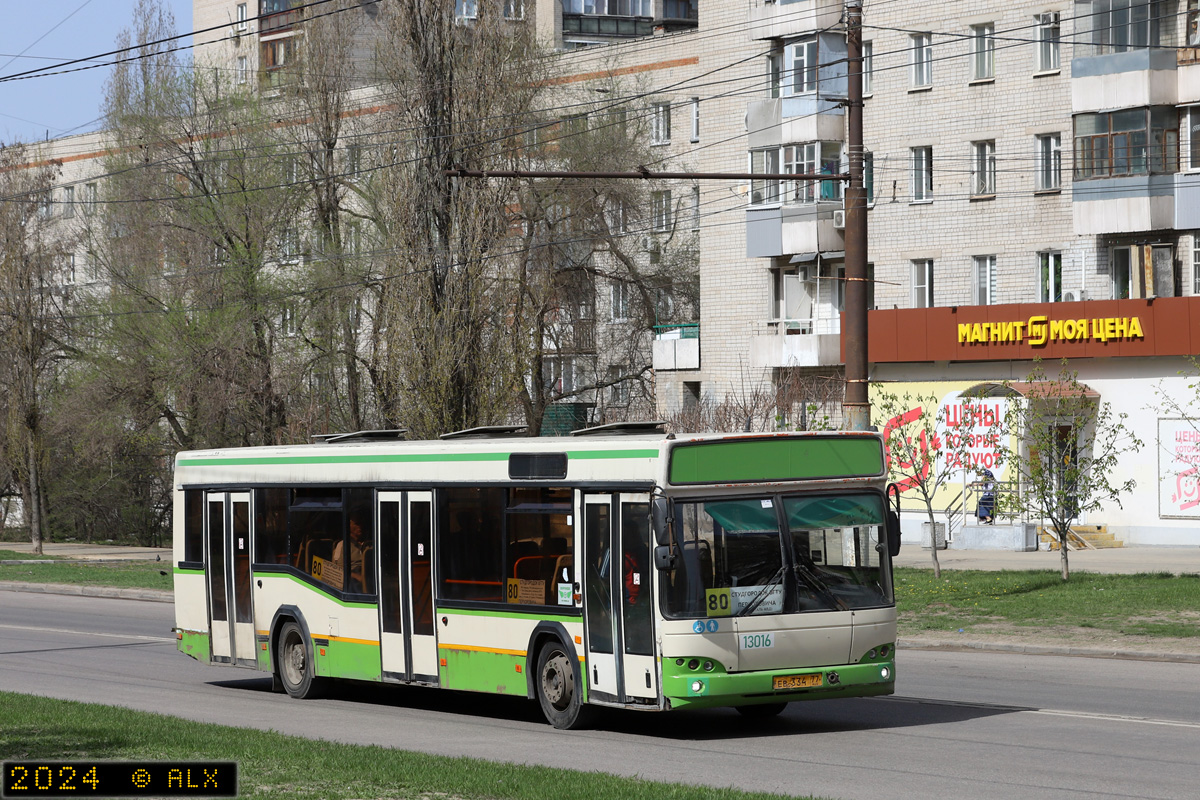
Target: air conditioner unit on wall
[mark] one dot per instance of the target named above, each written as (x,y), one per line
(1074,295)
(839,219)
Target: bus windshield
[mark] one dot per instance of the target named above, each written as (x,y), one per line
(777,554)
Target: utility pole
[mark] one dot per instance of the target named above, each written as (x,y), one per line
(856,407)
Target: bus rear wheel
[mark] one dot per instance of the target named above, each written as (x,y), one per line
(557,692)
(762,711)
(297,671)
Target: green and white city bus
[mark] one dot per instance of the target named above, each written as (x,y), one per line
(615,567)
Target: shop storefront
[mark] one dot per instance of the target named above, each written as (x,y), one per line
(1131,354)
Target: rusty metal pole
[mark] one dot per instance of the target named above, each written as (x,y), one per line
(856,407)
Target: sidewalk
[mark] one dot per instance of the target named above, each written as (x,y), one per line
(1116,560)
(83,551)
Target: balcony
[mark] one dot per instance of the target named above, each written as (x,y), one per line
(774,231)
(276,16)
(798,343)
(676,347)
(1145,77)
(617,27)
(779,19)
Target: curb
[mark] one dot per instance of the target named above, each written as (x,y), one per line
(1045,650)
(157,596)
(149,595)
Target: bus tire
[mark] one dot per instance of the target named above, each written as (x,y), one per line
(297,670)
(762,710)
(557,691)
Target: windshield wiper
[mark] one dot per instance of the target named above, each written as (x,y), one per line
(820,585)
(762,594)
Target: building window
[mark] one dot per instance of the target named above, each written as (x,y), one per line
(1122,273)
(800,159)
(1118,26)
(353,159)
(1049,161)
(91,198)
(514,9)
(660,123)
(983,168)
(242,73)
(466,9)
(1050,277)
(611,8)
(921,60)
(45,204)
(695,208)
(802,61)
(1191,134)
(922,283)
(621,293)
(983,52)
(922,174)
(618,389)
(792,297)
(661,211)
(695,119)
(764,191)
(775,72)
(839,287)
(868,66)
(985,280)
(1193,23)
(1048,32)
(1135,141)
(68,202)
(1196,264)
(241,18)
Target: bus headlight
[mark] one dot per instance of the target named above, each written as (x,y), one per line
(885,673)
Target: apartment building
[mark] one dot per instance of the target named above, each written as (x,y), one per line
(1033,181)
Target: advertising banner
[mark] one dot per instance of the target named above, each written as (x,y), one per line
(977,420)
(1179,468)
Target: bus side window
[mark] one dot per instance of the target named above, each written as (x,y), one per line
(193,525)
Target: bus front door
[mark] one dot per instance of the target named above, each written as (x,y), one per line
(618,606)
(408,644)
(227,567)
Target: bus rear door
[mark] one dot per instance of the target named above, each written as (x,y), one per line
(227,568)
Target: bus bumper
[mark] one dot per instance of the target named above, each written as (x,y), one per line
(684,688)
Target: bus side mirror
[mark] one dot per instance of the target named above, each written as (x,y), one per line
(661,514)
(664,558)
(893,533)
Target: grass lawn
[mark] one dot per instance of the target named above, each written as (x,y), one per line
(126,575)
(1156,605)
(272,765)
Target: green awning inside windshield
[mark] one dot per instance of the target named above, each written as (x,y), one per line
(833,512)
(741,516)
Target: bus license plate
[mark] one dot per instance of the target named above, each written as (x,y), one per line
(795,681)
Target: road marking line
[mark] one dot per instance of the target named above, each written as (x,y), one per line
(1115,718)
(88,633)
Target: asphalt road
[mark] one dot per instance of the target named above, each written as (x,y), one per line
(973,725)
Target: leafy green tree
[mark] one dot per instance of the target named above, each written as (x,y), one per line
(1070,444)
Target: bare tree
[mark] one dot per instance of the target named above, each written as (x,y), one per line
(33,335)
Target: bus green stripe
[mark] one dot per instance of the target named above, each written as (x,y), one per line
(400,458)
(532,614)
(317,589)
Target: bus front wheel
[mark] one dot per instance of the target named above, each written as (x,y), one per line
(297,671)
(558,694)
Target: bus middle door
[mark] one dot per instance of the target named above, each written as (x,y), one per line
(408,644)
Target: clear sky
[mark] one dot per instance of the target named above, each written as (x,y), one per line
(35,33)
